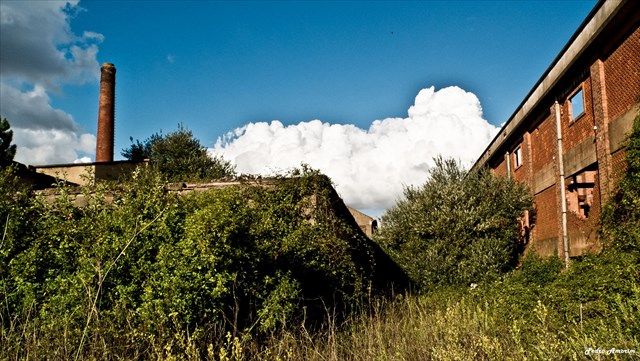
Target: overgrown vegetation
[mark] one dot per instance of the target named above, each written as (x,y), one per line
(274,272)
(458,228)
(179,156)
(537,313)
(589,311)
(142,272)
(621,218)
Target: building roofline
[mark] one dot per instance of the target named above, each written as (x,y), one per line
(115,162)
(359,212)
(600,16)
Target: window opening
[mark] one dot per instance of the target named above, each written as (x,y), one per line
(517,157)
(577,104)
(580,192)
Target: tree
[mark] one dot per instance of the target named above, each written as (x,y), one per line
(179,156)
(139,151)
(457,228)
(7,151)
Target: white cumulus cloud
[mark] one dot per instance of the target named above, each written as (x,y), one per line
(38,46)
(52,146)
(39,53)
(32,109)
(368,166)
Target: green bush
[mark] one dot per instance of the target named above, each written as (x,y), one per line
(179,156)
(140,268)
(526,315)
(538,270)
(457,228)
(621,216)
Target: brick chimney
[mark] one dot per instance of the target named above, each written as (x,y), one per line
(106,113)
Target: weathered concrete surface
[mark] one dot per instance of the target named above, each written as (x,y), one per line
(580,156)
(367,224)
(620,128)
(544,178)
(87,173)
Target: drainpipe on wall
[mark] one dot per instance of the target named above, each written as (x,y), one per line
(563,198)
(507,158)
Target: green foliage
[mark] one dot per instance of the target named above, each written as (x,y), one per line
(621,216)
(536,313)
(15,221)
(538,270)
(139,151)
(179,156)
(457,228)
(242,272)
(7,151)
(142,266)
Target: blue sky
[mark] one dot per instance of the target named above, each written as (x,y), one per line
(216,66)
(391,84)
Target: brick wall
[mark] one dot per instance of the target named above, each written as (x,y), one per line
(583,232)
(501,169)
(610,82)
(618,165)
(575,131)
(545,231)
(542,149)
(578,136)
(622,76)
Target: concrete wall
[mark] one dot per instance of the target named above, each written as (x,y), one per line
(86,173)
(367,224)
(80,174)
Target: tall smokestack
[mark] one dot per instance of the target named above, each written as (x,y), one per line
(104,144)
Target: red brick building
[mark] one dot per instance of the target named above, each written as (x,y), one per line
(566,138)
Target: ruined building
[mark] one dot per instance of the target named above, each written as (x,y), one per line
(367,224)
(566,139)
(105,168)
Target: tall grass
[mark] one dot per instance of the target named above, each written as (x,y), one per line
(514,319)
(538,312)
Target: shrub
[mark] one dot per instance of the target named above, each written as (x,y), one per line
(140,268)
(457,228)
(179,156)
(539,271)
(594,304)
(621,216)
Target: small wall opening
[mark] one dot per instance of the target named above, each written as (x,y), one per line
(517,157)
(576,104)
(374,226)
(580,188)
